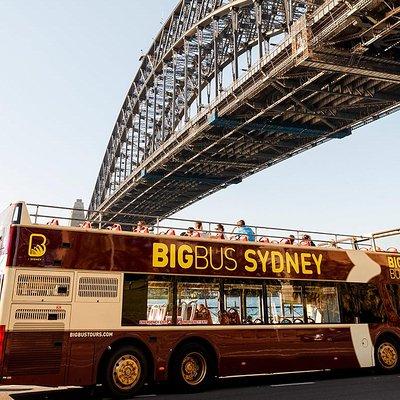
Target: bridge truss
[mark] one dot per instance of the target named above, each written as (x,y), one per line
(230,87)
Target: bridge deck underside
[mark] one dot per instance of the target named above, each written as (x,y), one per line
(349,75)
(291,114)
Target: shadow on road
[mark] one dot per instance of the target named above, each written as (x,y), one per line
(222,384)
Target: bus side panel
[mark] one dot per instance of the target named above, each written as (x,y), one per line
(81,360)
(35,358)
(251,350)
(268,351)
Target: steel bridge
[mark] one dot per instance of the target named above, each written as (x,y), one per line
(230,87)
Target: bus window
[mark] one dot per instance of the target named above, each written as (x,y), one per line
(361,303)
(394,291)
(134,303)
(159,304)
(371,305)
(198,303)
(146,302)
(322,305)
(233,303)
(253,304)
(274,301)
(348,303)
(243,303)
(285,304)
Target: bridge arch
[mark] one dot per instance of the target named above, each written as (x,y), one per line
(282,72)
(186,64)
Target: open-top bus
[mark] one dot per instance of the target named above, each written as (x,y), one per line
(84,306)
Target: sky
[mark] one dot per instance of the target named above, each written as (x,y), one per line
(66,66)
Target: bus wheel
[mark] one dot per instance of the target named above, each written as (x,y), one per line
(126,372)
(192,369)
(387,356)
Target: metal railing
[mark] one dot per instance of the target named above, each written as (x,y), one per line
(43,214)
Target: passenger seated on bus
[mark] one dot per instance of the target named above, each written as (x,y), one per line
(202,313)
(392,250)
(263,239)
(190,231)
(241,229)
(234,317)
(198,229)
(306,241)
(141,227)
(223,318)
(219,229)
(86,225)
(230,317)
(53,222)
(170,232)
(289,240)
(116,227)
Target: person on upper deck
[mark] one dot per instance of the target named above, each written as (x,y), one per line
(141,227)
(219,229)
(289,240)
(306,241)
(190,231)
(198,229)
(242,230)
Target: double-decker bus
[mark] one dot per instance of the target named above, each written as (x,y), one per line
(86,305)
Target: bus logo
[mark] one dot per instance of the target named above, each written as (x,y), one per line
(37,245)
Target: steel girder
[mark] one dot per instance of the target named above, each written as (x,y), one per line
(328,68)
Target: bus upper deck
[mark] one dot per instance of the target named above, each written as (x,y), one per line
(38,239)
(37,214)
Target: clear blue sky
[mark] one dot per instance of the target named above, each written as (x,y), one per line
(65,69)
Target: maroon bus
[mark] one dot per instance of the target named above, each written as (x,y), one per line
(82,306)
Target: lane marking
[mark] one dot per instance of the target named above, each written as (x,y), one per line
(293,384)
(146,395)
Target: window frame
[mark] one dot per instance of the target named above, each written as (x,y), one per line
(342,289)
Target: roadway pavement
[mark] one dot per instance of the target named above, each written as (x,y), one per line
(348,385)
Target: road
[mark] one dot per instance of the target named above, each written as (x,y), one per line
(364,385)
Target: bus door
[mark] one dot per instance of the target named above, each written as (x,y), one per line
(309,334)
(249,348)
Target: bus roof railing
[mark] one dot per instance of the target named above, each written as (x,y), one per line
(42,213)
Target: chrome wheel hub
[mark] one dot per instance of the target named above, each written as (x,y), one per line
(387,354)
(126,372)
(194,368)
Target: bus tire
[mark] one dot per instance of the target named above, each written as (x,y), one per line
(387,353)
(126,372)
(192,368)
